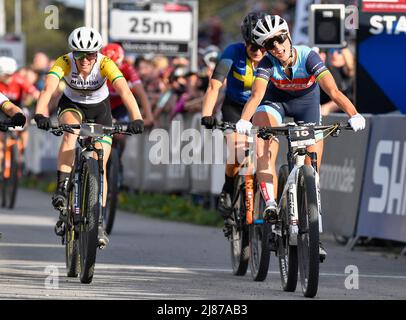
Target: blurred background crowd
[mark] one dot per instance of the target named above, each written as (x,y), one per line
(174,87)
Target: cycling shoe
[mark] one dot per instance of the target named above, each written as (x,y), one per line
(59,200)
(224,204)
(270,213)
(59,228)
(102,238)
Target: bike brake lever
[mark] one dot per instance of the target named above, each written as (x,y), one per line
(57,132)
(336,133)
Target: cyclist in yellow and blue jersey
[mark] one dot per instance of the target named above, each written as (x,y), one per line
(85,98)
(237,69)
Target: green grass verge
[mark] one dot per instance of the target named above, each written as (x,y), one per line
(162,206)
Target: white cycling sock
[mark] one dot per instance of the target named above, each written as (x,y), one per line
(267,192)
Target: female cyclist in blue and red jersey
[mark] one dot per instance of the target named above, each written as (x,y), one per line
(287,84)
(236,68)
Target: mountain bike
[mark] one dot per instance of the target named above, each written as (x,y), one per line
(251,236)
(238,226)
(299,205)
(82,213)
(11,167)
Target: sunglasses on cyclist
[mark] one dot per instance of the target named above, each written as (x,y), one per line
(270,43)
(80,55)
(254,47)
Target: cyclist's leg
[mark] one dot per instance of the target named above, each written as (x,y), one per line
(231,112)
(268,114)
(66,155)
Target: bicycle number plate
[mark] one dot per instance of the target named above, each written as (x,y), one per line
(91,130)
(300,137)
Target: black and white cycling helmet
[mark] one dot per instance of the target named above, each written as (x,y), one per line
(210,55)
(85,39)
(248,24)
(267,27)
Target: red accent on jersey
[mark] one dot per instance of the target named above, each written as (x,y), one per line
(16,87)
(132,77)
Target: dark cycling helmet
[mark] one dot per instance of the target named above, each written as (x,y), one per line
(248,24)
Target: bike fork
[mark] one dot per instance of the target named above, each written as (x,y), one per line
(293,213)
(77,194)
(249,198)
(100,157)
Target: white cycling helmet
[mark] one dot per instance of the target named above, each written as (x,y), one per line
(8,65)
(267,27)
(85,39)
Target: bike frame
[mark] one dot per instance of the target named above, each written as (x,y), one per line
(85,150)
(296,160)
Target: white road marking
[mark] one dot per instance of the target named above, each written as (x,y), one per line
(26,220)
(9,264)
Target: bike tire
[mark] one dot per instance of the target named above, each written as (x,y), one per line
(287,254)
(90,207)
(71,240)
(308,237)
(11,183)
(113,167)
(259,242)
(239,243)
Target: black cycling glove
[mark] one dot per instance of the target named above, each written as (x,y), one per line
(18,120)
(209,122)
(43,122)
(136,126)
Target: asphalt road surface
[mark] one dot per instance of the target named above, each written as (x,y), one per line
(155,259)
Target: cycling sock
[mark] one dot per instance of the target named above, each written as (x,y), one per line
(229,184)
(62,180)
(267,192)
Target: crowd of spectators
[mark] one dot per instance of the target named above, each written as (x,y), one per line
(174,87)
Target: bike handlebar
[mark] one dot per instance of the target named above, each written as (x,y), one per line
(90,129)
(266,132)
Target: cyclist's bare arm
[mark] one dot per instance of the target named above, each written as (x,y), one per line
(210,97)
(141,96)
(121,87)
(329,86)
(10,108)
(51,84)
(258,92)
(218,79)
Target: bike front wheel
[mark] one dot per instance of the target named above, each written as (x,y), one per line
(287,254)
(239,235)
(259,242)
(88,240)
(71,240)
(308,237)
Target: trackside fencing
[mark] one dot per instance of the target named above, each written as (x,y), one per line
(362,177)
